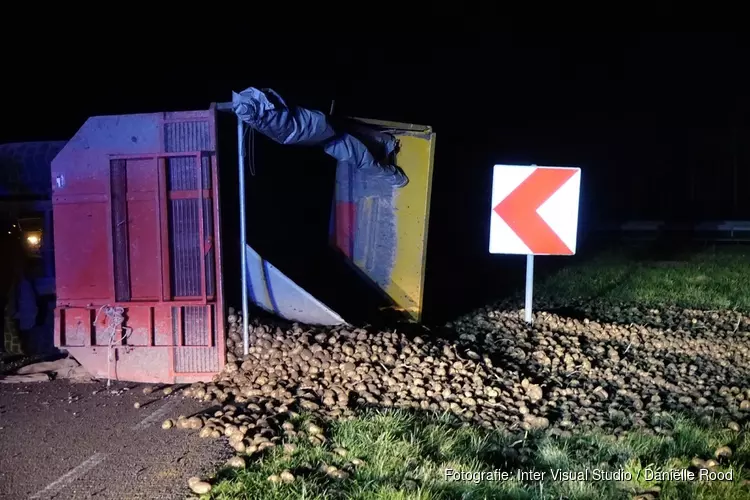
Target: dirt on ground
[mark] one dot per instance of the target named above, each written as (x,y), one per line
(66,440)
(607,367)
(9,363)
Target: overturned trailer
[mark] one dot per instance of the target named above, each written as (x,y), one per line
(139,239)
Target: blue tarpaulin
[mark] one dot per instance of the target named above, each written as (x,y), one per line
(365,149)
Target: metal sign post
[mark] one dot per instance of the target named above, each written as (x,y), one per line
(529,289)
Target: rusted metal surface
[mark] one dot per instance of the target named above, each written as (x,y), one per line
(135,222)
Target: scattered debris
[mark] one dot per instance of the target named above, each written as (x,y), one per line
(287,477)
(561,373)
(23,379)
(616,367)
(611,368)
(723,453)
(198,486)
(9,363)
(236,462)
(64,368)
(340,474)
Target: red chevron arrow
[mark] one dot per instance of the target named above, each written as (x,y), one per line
(519,210)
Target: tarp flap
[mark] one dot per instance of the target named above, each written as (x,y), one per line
(274,292)
(266,112)
(355,146)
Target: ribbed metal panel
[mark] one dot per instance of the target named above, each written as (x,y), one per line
(196,359)
(118,180)
(195,326)
(187,136)
(183,173)
(184,220)
(185,246)
(184,229)
(195,356)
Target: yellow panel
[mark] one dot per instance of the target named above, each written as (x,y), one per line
(404,283)
(412,216)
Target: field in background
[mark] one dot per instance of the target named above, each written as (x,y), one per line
(715,277)
(405,455)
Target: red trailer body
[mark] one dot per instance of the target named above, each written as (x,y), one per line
(137,225)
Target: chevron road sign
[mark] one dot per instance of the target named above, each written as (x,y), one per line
(534,212)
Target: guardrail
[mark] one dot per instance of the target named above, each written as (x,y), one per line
(716,231)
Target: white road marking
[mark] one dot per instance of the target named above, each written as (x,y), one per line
(71,476)
(155,416)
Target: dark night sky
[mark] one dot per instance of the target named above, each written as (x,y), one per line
(525,82)
(551,80)
(649,117)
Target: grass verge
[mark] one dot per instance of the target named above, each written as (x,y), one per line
(407,456)
(710,278)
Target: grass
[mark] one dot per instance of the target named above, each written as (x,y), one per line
(406,457)
(711,278)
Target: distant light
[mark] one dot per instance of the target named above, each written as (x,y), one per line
(9,232)
(14,225)
(33,239)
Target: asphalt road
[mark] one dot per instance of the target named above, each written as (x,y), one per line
(60,440)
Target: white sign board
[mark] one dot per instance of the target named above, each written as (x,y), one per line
(534,210)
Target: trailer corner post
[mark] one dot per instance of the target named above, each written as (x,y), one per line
(529,289)
(243,233)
